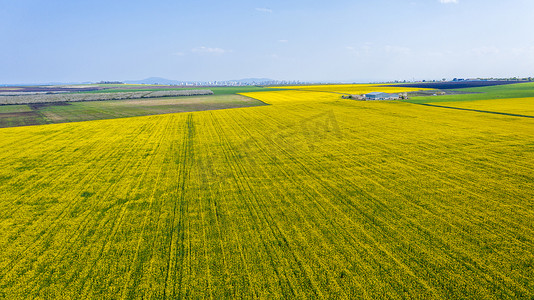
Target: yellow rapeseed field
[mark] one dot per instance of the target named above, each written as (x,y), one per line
(311,197)
(524,106)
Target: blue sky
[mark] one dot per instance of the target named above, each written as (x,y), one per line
(338,40)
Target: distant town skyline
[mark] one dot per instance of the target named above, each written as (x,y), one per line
(310,41)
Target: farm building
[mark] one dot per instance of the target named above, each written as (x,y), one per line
(381,96)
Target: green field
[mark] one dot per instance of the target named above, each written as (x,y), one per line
(521,90)
(9,109)
(50,113)
(312,196)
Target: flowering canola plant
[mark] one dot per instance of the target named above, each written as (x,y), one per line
(312,196)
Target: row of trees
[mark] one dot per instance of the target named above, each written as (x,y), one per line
(51,98)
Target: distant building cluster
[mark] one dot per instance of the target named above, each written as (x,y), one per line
(238,83)
(464,79)
(110,82)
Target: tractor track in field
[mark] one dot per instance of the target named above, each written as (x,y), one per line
(185,164)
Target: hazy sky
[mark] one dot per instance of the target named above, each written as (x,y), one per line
(336,40)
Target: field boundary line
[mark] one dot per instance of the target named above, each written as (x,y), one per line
(476,110)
